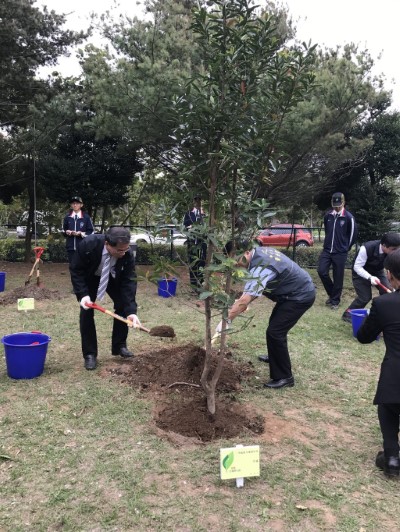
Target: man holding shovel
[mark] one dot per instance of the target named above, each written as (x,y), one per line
(368,270)
(105,263)
(281,280)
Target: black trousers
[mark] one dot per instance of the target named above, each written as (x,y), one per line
(363,290)
(284,316)
(389,416)
(70,253)
(88,327)
(197,259)
(334,286)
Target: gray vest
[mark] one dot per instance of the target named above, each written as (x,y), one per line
(291,281)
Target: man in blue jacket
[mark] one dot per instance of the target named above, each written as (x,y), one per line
(340,235)
(77,225)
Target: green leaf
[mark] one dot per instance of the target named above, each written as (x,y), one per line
(205,295)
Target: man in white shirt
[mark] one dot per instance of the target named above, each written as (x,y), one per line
(368,270)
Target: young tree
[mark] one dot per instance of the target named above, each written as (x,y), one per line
(230,116)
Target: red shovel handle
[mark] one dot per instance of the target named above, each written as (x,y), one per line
(96,307)
(384,287)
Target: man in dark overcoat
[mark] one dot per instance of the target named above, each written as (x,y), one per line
(385,317)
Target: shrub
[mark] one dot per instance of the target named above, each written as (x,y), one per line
(308,257)
(144,253)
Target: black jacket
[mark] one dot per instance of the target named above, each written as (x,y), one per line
(86,261)
(385,317)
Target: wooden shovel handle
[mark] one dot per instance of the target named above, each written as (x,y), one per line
(116,316)
(33,267)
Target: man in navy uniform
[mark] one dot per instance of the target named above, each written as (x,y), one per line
(196,246)
(77,225)
(340,235)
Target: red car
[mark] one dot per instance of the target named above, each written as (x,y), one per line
(283,235)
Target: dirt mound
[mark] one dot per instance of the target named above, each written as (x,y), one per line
(171,375)
(40,294)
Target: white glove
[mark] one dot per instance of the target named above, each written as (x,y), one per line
(218,330)
(135,321)
(83,302)
(374,280)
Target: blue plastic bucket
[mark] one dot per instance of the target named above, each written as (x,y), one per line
(2,281)
(357,317)
(167,287)
(25,354)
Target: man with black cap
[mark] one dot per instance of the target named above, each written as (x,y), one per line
(340,235)
(196,246)
(77,225)
(105,263)
(368,270)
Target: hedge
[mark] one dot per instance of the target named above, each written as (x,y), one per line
(12,250)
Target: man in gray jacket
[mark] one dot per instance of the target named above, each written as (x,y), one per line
(281,280)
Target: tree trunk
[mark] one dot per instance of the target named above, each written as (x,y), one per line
(31,215)
(209,385)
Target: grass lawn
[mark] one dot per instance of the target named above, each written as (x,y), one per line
(81,452)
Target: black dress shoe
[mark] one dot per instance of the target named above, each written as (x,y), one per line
(280,383)
(123,352)
(390,465)
(264,358)
(90,362)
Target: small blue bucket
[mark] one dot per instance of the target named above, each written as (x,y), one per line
(25,354)
(2,281)
(167,287)
(357,317)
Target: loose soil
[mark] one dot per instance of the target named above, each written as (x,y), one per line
(171,376)
(39,293)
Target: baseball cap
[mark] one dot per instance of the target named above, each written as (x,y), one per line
(337,199)
(78,199)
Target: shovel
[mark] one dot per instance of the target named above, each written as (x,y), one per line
(162,330)
(38,252)
(384,288)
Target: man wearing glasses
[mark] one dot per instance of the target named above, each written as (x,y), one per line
(105,264)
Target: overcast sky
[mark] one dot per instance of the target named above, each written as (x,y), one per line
(374,25)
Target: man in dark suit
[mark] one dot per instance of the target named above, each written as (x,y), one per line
(104,263)
(196,246)
(385,317)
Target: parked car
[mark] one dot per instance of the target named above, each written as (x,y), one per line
(41,229)
(164,235)
(283,235)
